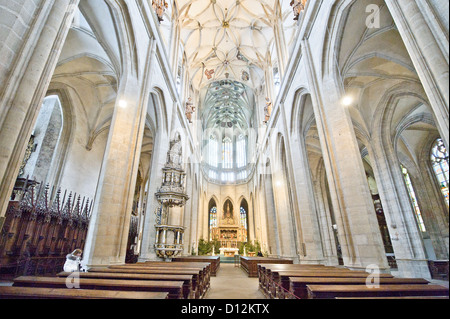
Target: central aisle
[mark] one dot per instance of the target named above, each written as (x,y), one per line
(233,283)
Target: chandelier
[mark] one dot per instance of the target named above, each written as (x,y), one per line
(160,7)
(298,6)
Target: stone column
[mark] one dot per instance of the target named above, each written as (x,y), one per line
(32,34)
(286,224)
(108,230)
(433,207)
(429,52)
(325,221)
(280,44)
(156,176)
(405,234)
(271,225)
(311,248)
(359,234)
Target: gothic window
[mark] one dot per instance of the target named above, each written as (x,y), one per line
(227,153)
(243,218)
(241,151)
(213,149)
(439,160)
(212,220)
(413,198)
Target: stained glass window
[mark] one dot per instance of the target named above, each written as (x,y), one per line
(413,198)
(243,218)
(213,217)
(439,160)
(244,221)
(212,220)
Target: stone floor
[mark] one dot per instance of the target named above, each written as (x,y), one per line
(233,283)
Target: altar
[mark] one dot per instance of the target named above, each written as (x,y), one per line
(229,252)
(229,232)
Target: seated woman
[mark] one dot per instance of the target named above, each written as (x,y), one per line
(73,261)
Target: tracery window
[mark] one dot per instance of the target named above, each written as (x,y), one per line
(213,151)
(243,222)
(227,153)
(243,218)
(241,151)
(212,220)
(439,160)
(413,198)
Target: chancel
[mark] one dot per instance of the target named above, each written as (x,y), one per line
(187,147)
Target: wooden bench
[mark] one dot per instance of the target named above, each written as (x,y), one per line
(205,267)
(268,282)
(204,273)
(298,285)
(333,291)
(250,264)
(264,271)
(214,260)
(198,285)
(64,293)
(174,288)
(279,281)
(188,291)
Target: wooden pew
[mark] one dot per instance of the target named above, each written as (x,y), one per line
(333,291)
(64,293)
(280,279)
(203,269)
(250,264)
(268,282)
(188,291)
(214,260)
(264,271)
(174,288)
(298,285)
(206,267)
(198,286)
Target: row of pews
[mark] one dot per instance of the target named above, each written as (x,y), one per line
(250,264)
(188,279)
(288,281)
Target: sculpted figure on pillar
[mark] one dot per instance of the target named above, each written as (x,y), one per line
(160,7)
(267,110)
(190,109)
(298,6)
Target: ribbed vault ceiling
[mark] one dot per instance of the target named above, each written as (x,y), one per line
(231,40)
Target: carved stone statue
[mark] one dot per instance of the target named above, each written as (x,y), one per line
(267,110)
(228,216)
(298,6)
(175,152)
(190,109)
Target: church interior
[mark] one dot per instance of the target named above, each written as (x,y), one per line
(207,138)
